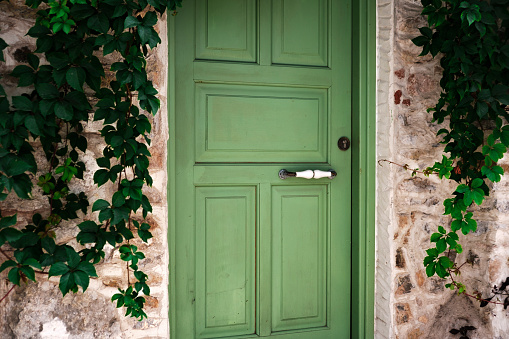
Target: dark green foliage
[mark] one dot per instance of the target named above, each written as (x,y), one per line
(53,112)
(473,41)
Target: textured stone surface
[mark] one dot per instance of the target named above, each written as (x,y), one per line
(38,311)
(422,307)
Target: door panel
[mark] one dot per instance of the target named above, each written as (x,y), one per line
(225,260)
(299,257)
(299,32)
(226,30)
(257,256)
(242,123)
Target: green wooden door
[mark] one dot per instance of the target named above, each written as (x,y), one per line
(261,86)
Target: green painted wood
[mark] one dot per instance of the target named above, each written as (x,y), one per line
(242,123)
(364,168)
(225,261)
(226,30)
(300,235)
(195,182)
(300,32)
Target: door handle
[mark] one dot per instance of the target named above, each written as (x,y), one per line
(308,174)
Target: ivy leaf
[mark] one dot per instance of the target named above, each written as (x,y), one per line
(14,276)
(118,199)
(494,174)
(7,264)
(73,258)
(435,237)
(57,269)
(81,279)
(481,109)
(22,103)
(441,245)
(101,177)
(47,91)
(88,268)
(66,283)
(100,204)
(99,23)
(430,269)
(477,182)
(31,125)
(8,221)
(75,77)
(64,110)
(131,21)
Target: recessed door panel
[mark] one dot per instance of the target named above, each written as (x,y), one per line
(242,123)
(226,30)
(225,261)
(299,257)
(300,32)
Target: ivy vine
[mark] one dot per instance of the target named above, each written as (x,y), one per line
(60,94)
(472,39)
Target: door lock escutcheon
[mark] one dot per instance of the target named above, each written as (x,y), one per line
(344,143)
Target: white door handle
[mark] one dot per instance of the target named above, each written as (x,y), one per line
(308,174)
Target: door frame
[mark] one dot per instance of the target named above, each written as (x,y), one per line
(363,168)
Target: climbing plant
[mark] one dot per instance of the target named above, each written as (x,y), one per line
(65,87)
(471,37)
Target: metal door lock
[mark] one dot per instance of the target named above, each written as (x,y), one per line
(343,143)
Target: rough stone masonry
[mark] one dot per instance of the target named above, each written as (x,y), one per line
(421,307)
(38,310)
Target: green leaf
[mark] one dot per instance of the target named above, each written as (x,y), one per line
(462,188)
(75,77)
(468,198)
(22,103)
(101,177)
(118,199)
(420,40)
(440,270)
(31,125)
(441,245)
(8,221)
(88,268)
(100,205)
(57,269)
(64,110)
(73,258)
(99,23)
(477,182)
(32,262)
(445,262)
(81,279)
(66,283)
(481,109)
(47,91)
(430,269)
(28,272)
(7,264)
(14,276)
(131,21)
(88,226)
(435,237)
(58,60)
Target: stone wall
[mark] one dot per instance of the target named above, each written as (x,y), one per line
(410,208)
(38,310)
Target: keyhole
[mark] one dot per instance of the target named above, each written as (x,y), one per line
(343,143)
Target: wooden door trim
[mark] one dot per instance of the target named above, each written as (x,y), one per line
(363,169)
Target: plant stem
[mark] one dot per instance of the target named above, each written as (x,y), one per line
(6,294)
